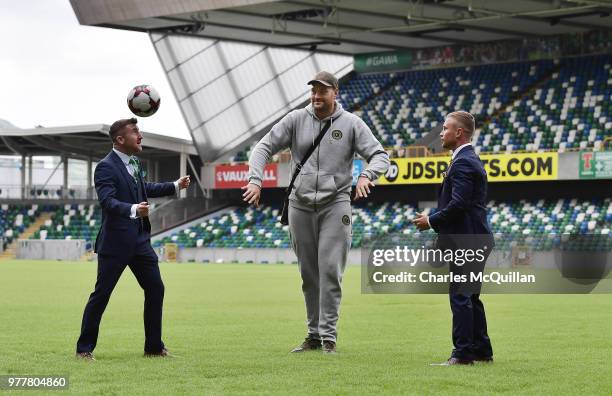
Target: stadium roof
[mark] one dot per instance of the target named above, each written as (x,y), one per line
(237,66)
(83,142)
(6,124)
(350,27)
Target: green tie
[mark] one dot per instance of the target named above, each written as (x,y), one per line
(135,167)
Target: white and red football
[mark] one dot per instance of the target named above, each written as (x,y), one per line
(143,100)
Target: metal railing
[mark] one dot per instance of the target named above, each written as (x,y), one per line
(51,192)
(46,193)
(424,151)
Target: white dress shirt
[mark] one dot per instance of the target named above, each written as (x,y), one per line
(126,161)
(456,151)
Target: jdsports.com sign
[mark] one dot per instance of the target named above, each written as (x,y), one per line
(236,176)
(499,167)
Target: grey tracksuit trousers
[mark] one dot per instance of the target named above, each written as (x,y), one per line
(321,240)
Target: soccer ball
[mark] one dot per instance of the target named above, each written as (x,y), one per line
(143,100)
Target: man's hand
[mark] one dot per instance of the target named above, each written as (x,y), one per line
(363,188)
(142,210)
(183,182)
(420,221)
(252,193)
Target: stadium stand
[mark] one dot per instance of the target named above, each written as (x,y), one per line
(570,110)
(14,219)
(521,106)
(533,223)
(531,106)
(241,156)
(529,222)
(416,101)
(71,222)
(243,227)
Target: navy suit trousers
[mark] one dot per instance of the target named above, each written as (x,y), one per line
(144,266)
(470,336)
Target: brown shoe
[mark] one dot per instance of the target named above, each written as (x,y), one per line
(163,353)
(329,347)
(309,344)
(454,362)
(484,359)
(85,356)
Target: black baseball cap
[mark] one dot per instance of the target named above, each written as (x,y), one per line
(325,78)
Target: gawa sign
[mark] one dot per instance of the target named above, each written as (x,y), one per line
(382,61)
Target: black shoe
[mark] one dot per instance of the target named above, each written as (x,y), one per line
(329,347)
(453,361)
(309,344)
(484,359)
(85,356)
(163,353)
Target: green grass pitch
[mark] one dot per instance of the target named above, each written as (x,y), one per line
(232,326)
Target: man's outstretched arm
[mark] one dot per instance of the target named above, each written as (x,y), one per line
(276,140)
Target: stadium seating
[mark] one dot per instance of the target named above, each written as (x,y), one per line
(363,87)
(418,100)
(538,105)
(530,223)
(243,227)
(14,219)
(242,155)
(520,222)
(537,224)
(71,222)
(571,110)
(529,106)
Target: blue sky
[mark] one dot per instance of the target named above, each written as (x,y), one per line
(55,72)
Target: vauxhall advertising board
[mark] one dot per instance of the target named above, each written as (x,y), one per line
(236,176)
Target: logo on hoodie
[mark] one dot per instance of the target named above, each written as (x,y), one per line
(336,134)
(346,220)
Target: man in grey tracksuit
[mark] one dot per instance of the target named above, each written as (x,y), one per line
(320,208)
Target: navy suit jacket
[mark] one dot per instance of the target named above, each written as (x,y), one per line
(115,188)
(462,198)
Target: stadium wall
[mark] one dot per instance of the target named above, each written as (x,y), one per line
(545,259)
(58,249)
(565,166)
(230,255)
(418,194)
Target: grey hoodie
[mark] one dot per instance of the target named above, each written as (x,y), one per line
(327,175)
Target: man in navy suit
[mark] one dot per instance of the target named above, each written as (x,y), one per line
(461,223)
(125,237)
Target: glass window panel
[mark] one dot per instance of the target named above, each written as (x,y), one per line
(284,58)
(185,47)
(263,102)
(237,52)
(214,98)
(227,127)
(251,74)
